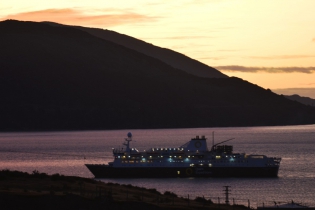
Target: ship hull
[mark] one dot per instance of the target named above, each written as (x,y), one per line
(106,171)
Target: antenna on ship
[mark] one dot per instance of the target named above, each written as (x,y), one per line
(128,140)
(129,134)
(212,139)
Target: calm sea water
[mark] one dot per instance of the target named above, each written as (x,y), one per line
(67,152)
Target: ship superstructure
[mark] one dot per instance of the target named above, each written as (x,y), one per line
(192,159)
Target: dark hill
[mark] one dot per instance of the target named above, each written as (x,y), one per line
(170,57)
(55,78)
(302,99)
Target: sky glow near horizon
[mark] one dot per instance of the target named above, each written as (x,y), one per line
(268,43)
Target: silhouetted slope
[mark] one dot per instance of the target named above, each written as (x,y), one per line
(301,99)
(55,78)
(174,59)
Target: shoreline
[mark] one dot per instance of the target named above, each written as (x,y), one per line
(146,128)
(20,190)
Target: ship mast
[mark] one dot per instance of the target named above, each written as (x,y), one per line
(127,143)
(212,139)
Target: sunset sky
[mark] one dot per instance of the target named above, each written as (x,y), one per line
(270,43)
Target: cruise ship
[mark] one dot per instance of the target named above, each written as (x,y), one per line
(192,159)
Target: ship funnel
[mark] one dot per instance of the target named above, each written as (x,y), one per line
(198,144)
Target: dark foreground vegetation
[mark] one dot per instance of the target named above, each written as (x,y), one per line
(20,190)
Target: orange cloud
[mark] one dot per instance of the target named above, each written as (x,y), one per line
(308,84)
(180,37)
(77,17)
(235,68)
(281,57)
(212,58)
(313,40)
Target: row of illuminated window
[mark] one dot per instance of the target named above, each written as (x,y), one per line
(167,149)
(149,157)
(180,157)
(229,161)
(136,161)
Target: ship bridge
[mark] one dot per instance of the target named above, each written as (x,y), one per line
(198,143)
